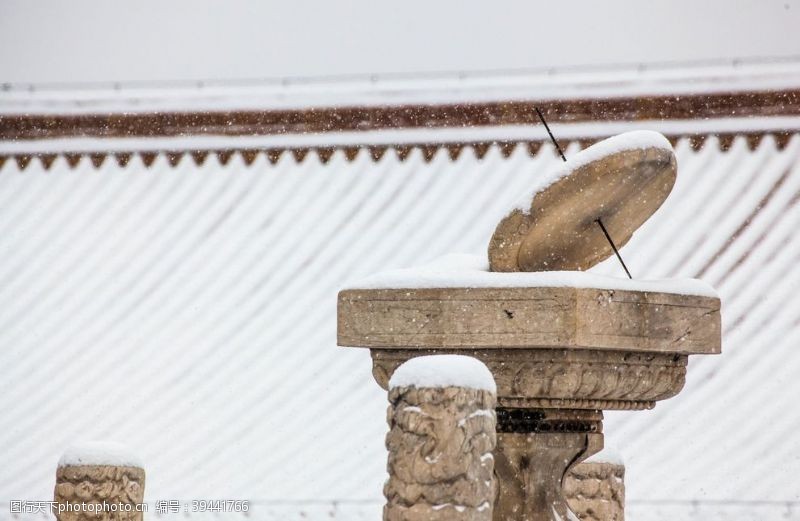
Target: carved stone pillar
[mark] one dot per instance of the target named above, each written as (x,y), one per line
(99,482)
(440,444)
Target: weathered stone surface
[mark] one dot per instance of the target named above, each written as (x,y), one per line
(440,444)
(596,491)
(121,488)
(563,378)
(534,317)
(530,468)
(559,231)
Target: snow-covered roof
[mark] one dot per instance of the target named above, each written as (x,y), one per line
(726,99)
(378,90)
(190,312)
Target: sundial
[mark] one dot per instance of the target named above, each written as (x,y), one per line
(562,344)
(619,182)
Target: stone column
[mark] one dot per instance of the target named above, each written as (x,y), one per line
(99,482)
(441,437)
(535,450)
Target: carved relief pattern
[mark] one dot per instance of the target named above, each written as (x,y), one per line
(440,446)
(551,378)
(596,491)
(97,484)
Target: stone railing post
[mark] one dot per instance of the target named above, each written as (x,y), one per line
(99,481)
(441,437)
(595,489)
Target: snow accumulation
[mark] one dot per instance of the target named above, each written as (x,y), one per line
(100,453)
(472,271)
(634,140)
(635,79)
(443,371)
(609,454)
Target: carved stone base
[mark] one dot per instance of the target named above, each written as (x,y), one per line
(563,378)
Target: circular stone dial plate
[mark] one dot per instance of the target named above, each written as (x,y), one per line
(560,232)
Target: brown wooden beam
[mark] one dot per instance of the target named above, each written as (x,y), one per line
(316,120)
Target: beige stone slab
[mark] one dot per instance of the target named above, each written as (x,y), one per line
(486,318)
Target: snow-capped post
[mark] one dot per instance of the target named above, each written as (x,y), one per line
(99,481)
(440,441)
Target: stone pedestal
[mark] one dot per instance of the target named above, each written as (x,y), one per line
(559,356)
(440,445)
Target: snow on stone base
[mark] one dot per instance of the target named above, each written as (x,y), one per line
(100,453)
(472,271)
(609,454)
(443,371)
